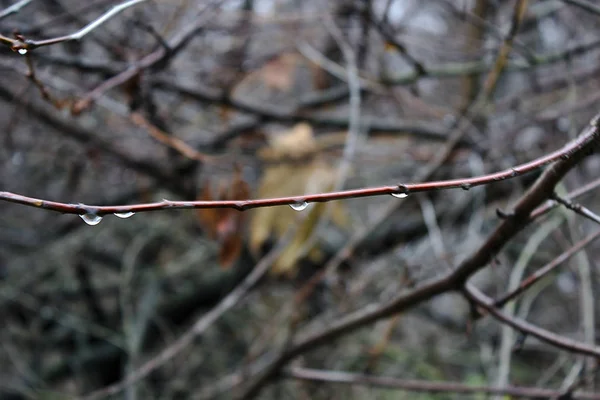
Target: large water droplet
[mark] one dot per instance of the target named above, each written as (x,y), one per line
(91,219)
(400,195)
(465,186)
(22,51)
(299,206)
(124,214)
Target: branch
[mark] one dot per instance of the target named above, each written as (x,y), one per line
(424,386)
(23,46)
(454,280)
(15,8)
(546,269)
(95,213)
(585,5)
(577,208)
(561,342)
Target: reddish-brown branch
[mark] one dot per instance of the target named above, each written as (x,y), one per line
(574,147)
(415,385)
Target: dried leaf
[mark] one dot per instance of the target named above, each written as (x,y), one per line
(224,224)
(292,179)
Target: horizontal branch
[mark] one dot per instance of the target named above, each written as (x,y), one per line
(91,213)
(270,112)
(425,386)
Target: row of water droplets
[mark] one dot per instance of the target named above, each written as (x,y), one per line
(95,219)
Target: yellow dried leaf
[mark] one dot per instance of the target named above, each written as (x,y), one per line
(281,180)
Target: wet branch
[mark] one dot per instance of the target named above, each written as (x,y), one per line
(574,148)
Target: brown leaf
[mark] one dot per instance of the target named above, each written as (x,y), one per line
(224,224)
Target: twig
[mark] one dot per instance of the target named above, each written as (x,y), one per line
(585,5)
(158,58)
(169,140)
(545,270)
(551,204)
(426,386)
(23,45)
(582,142)
(578,208)
(553,339)
(15,8)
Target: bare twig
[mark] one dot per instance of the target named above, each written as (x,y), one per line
(578,208)
(23,45)
(401,191)
(545,270)
(426,386)
(15,8)
(553,339)
(584,5)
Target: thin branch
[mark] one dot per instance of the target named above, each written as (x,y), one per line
(546,269)
(426,386)
(15,8)
(584,5)
(578,208)
(207,95)
(23,45)
(156,59)
(583,141)
(551,338)
(551,204)
(169,140)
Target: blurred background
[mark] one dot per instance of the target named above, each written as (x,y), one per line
(233,100)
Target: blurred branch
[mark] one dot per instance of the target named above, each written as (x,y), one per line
(15,8)
(425,386)
(561,342)
(156,59)
(584,5)
(545,270)
(23,45)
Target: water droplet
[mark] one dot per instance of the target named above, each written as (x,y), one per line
(124,214)
(299,206)
(400,195)
(22,51)
(91,219)
(466,186)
